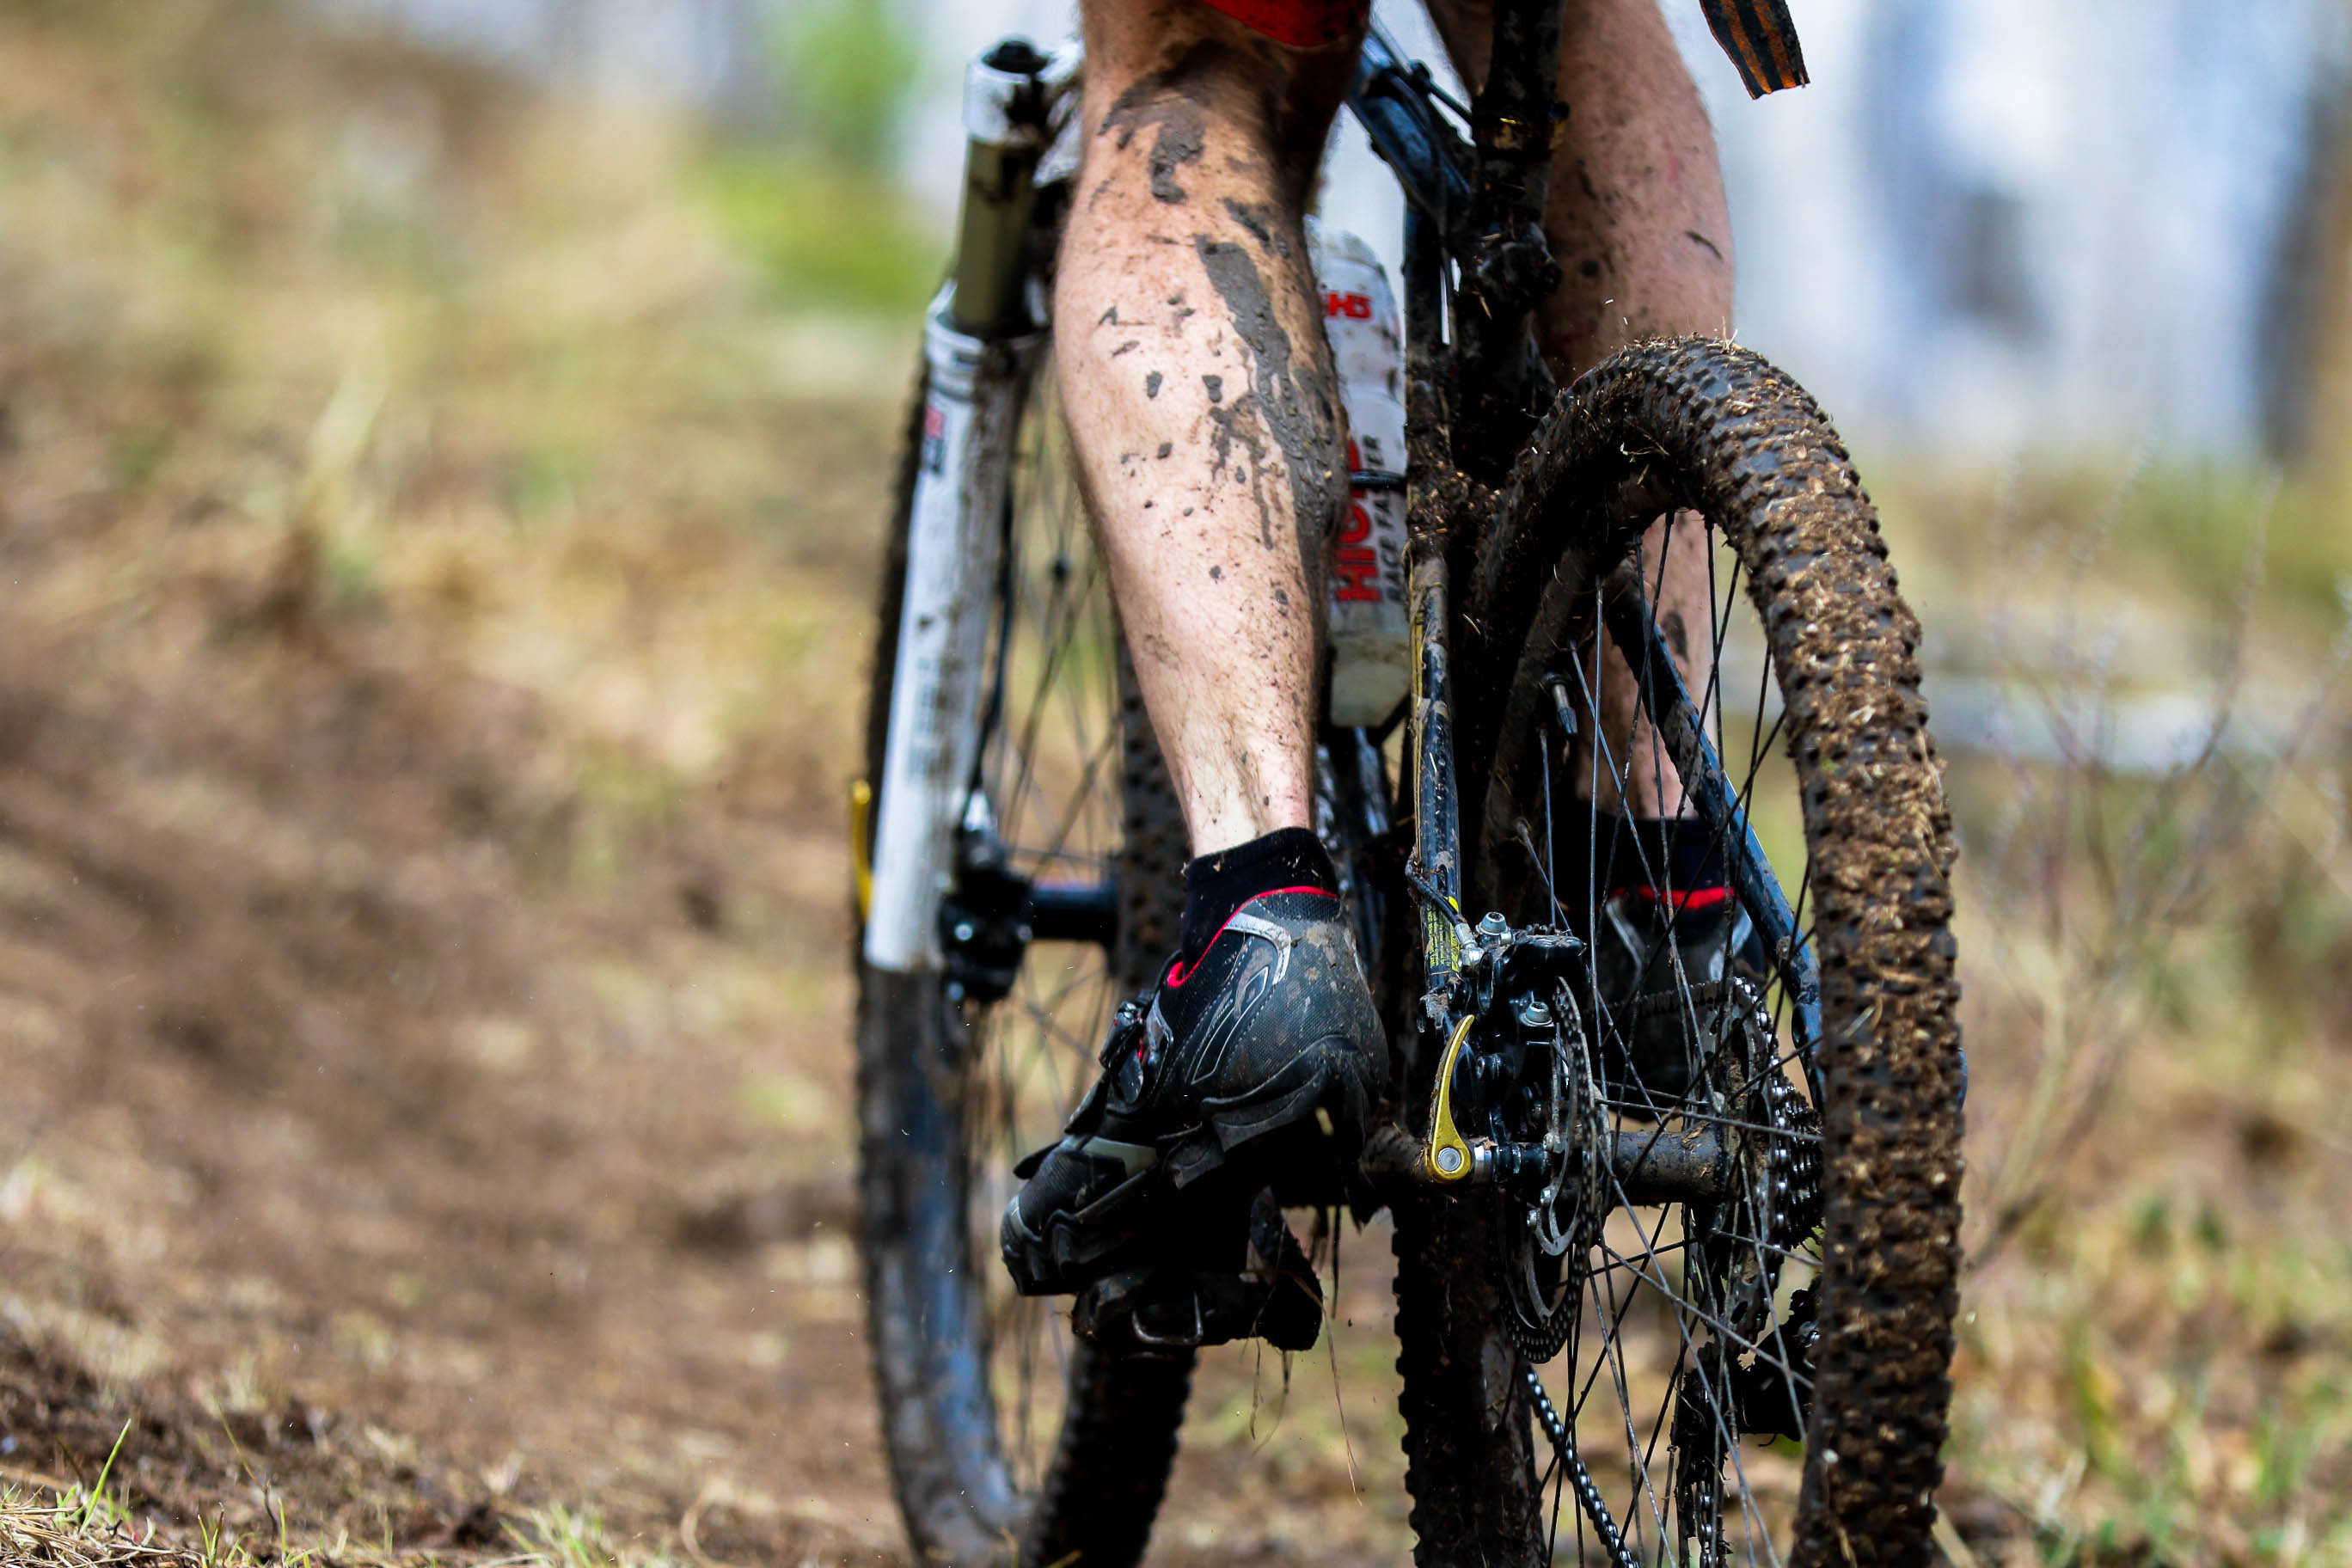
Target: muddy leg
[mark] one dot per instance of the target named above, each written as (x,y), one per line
(1199,393)
(1638,224)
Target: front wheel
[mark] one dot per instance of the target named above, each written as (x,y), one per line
(1757,1372)
(1009,1439)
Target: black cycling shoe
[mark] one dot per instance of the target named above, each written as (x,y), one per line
(1220,1074)
(1656,1033)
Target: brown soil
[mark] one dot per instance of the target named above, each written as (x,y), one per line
(321,1107)
(379,1182)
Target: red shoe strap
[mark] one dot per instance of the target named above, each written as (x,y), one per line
(1178,973)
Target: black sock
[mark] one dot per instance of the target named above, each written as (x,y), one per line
(1676,852)
(1217,885)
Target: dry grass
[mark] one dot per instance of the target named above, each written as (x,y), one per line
(435,570)
(2156,1318)
(76,1531)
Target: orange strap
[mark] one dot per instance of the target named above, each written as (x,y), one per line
(1762,39)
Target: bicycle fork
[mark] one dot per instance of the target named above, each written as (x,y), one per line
(979,342)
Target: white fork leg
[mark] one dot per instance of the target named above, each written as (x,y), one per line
(954,543)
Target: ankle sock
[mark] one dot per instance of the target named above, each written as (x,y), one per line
(1217,885)
(1671,852)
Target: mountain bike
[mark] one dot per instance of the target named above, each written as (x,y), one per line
(1708,1327)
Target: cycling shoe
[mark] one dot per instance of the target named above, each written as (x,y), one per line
(1258,1066)
(1651,954)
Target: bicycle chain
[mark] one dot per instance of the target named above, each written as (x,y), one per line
(1792,1166)
(1780,1205)
(1791,1193)
(1785,1206)
(1580,1479)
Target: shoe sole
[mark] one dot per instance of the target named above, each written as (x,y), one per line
(1240,1137)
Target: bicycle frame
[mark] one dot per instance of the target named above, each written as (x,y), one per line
(1486,1015)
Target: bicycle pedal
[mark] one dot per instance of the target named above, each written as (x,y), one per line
(1276,1298)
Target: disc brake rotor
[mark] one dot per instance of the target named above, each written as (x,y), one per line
(1546,1257)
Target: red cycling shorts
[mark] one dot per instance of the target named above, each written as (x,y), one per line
(1302,24)
(1759,35)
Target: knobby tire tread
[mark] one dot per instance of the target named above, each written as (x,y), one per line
(1468,1444)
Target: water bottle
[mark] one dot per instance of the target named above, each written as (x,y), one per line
(1372,656)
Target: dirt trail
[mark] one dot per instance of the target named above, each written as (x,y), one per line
(422,1061)
(318,1103)
(402,1173)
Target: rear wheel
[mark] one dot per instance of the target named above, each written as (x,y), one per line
(1756,1373)
(1008,1437)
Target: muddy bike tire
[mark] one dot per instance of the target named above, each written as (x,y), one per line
(927,1153)
(1702,425)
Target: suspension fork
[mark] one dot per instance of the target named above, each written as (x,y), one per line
(980,341)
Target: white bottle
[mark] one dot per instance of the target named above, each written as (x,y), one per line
(1372,663)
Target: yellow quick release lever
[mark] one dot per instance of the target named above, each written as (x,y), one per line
(861,842)
(1447,1156)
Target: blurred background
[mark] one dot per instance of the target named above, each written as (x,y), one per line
(443,446)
